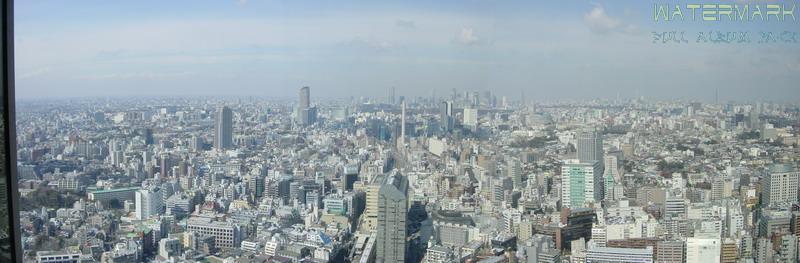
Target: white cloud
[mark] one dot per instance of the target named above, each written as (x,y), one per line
(468,37)
(600,22)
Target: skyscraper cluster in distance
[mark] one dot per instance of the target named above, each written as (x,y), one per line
(468,177)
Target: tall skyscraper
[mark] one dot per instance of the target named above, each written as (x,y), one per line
(223,137)
(305,97)
(148,136)
(165,165)
(402,140)
(590,146)
(581,183)
(780,186)
(446,116)
(306,115)
(392,99)
(392,214)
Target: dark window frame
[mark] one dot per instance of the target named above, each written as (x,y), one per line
(9,132)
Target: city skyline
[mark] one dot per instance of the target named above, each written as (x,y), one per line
(448,131)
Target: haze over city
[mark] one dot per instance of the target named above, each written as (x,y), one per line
(551,50)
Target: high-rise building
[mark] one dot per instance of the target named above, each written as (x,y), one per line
(306,115)
(446,116)
(223,136)
(148,136)
(195,143)
(589,146)
(372,195)
(611,174)
(471,117)
(402,140)
(392,215)
(148,203)
(590,150)
(780,185)
(305,97)
(165,165)
(581,183)
(309,116)
(514,171)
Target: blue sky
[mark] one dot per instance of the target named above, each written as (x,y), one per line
(552,50)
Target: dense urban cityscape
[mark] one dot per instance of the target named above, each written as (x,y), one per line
(469,176)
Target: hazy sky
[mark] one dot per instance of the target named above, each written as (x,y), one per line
(552,50)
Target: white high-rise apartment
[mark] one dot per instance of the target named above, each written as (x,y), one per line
(780,185)
(148,203)
(581,183)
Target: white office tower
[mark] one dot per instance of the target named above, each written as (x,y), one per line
(471,118)
(148,203)
(780,186)
(581,183)
(703,250)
